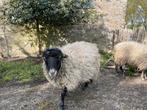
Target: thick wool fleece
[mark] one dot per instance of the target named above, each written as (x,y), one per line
(82,64)
(132,53)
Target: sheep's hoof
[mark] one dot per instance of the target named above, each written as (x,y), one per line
(91,81)
(120,75)
(61,107)
(145,77)
(123,75)
(142,79)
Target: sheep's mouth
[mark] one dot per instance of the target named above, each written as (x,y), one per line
(53,60)
(53,73)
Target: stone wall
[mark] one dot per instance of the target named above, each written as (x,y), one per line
(113,11)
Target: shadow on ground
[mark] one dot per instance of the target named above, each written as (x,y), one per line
(111,92)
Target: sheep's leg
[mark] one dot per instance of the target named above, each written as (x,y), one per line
(145,76)
(142,75)
(119,69)
(116,68)
(86,84)
(63,94)
(122,71)
(91,80)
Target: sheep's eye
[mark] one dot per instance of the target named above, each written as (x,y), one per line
(64,56)
(48,52)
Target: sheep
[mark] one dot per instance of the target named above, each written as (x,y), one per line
(71,65)
(131,53)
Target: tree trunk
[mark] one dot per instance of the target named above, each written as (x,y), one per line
(38,37)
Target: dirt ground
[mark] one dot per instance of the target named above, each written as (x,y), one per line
(111,92)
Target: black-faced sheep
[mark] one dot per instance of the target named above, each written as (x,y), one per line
(71,65)
(131,53)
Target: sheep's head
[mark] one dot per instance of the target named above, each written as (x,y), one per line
(53,58)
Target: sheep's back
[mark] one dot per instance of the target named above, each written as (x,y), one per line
(82,64)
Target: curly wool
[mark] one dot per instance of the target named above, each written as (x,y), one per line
(82,64)
(132,53)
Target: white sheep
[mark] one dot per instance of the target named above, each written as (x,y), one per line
(81,66)
(131,53)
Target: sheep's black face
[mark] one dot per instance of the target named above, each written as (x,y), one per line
(53,59)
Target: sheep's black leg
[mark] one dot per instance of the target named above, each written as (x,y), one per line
(63,94)
(116,68)
(122,71)
(91,80)
(86,84)
(119,69)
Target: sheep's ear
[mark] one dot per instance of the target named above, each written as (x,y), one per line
(46,52)
(64,56)
(43,55)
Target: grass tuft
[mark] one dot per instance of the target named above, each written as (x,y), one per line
(20,71)
(105,57)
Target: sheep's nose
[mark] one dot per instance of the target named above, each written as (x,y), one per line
(52,73)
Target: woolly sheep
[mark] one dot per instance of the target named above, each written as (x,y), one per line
(81,66)
(131,53)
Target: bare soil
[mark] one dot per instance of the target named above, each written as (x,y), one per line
(111,92)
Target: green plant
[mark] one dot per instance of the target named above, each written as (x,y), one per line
(20,71)
(131,70)
(105,57)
